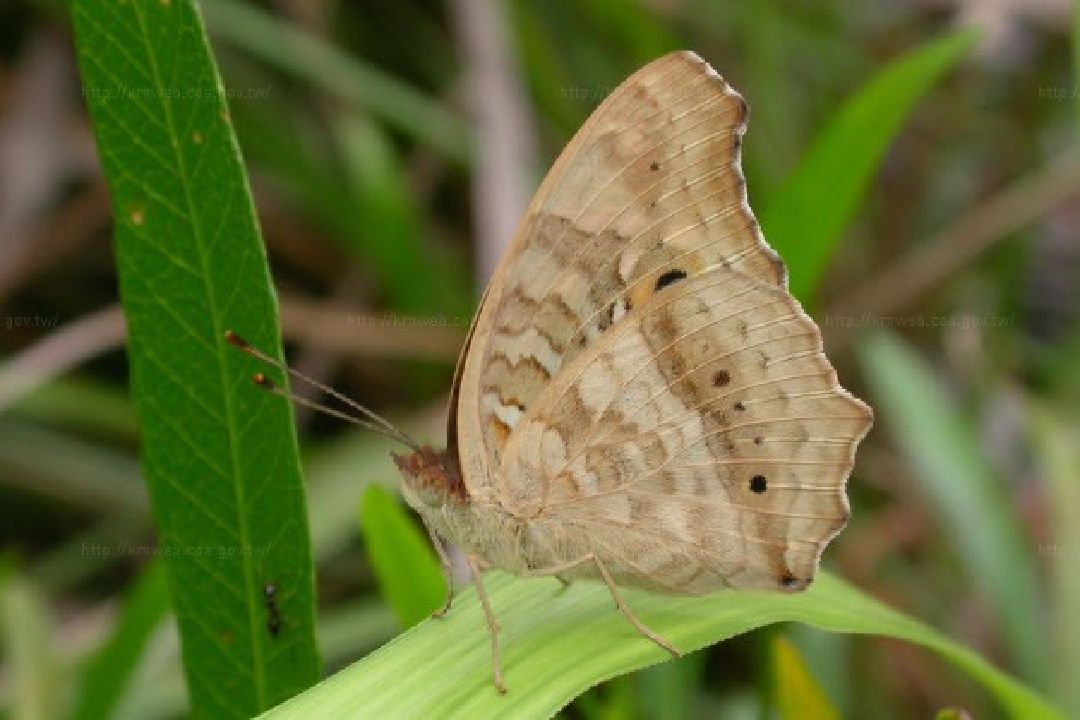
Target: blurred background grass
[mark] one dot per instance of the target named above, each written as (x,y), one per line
(392,145)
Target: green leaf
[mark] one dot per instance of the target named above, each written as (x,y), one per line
(971,503)
(324,66)
(558,642)
(219,456)
(806,217)
(798,695)
(109,671)
(410,578)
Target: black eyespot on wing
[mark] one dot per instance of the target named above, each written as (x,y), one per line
(721,378)
(670,277)
(739,406)
(758,484)
(654,166)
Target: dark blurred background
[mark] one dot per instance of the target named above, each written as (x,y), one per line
(392,146)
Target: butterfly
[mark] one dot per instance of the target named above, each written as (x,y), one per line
(640,400)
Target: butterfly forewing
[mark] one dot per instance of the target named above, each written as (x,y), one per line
(651,180)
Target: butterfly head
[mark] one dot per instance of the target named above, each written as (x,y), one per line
(432,478)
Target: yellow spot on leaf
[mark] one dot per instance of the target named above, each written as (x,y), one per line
(196,137)
(138,217)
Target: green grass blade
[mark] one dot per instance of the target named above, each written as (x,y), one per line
(763,45)
(798,695)
(109,671)
(806,217)
(1076,58)
(385,224)
(410,578)
(89,407)
(640,32)
(830,655)
(69,469)
(311,59)
(1056,439)
(219,456)
(32,671)
(941,447)
(558,643)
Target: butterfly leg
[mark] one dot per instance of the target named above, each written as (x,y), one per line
(493,626)
(557,570)
(447,569)
(625,610)
(615,594)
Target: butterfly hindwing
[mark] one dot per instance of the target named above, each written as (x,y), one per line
(702,442)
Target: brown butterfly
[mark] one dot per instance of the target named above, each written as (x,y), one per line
(640,400)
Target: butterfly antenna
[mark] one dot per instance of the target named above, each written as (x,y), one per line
(367,419)
(267,384)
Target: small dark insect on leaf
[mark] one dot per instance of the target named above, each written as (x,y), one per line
(273,616)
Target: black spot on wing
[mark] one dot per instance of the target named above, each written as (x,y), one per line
(669,278)
(758,484)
